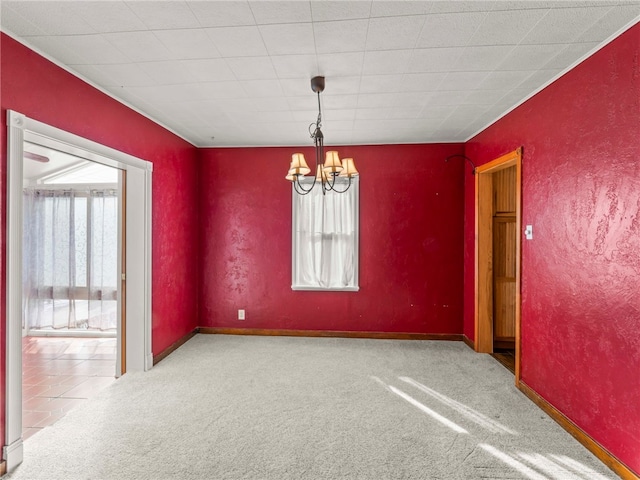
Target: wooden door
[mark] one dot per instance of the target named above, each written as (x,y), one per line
(504,258)
(498,227)
(504,281)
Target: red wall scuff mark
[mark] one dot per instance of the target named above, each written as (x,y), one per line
(581,270)
(411,211)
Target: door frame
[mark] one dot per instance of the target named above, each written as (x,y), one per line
(137,286)
(483,317)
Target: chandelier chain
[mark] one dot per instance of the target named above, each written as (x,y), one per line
(317,125)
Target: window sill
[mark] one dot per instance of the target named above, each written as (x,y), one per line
(323,289)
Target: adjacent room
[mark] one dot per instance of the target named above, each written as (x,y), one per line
(320,239)
(70,267)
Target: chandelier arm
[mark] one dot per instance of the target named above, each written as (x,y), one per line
(326,186)
(300,190)
(330,183)
(340,191)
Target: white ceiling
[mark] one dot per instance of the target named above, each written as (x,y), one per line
(396,71)
(57,162)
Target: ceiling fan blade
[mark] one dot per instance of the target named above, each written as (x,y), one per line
(36,157)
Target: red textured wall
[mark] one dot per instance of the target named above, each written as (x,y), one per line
(581,271)
(411,243)
(39,89)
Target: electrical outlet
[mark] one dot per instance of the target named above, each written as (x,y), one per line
(240,314)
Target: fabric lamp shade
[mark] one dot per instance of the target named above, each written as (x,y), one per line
(298,165)
(321,175)
(290,176)
(348,168)
(332,162)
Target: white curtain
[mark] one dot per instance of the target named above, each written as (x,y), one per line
(325,238)
(70,255)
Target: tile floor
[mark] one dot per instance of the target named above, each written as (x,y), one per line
(58,373)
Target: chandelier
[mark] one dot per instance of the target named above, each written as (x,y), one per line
(326,175)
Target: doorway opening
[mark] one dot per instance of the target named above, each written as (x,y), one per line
(133,274)
(497,285)
(72,247)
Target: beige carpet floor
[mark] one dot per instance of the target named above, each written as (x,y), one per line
(231,407)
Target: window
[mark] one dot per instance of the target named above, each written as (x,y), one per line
(325,238)
(70,259)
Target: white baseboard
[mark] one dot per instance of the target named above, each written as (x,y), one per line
(13,454)
(148,362)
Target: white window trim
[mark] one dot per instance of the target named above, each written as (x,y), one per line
(355,184)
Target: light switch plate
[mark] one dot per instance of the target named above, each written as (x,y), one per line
(528,232)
